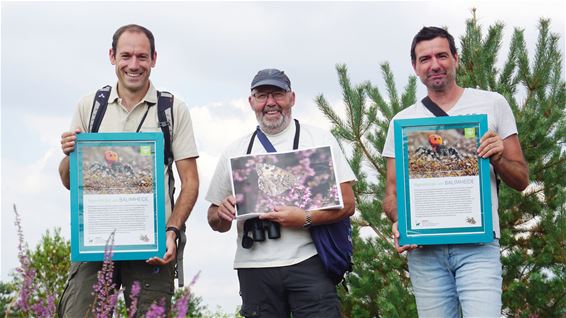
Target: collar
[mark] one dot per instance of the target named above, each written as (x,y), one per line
(149,98)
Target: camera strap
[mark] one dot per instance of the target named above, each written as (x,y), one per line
(247,242)
(433,107)
(267,144)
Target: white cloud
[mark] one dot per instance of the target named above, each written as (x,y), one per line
(218,123)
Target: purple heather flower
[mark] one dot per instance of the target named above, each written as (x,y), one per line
(42,310)
(104,289)
(156,311)
(27,273)
(182,304)
(28,302)
(134,293)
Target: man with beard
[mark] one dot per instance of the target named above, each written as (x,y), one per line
(281,276)
(466,278)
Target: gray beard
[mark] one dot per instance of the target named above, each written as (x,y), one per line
(273,128)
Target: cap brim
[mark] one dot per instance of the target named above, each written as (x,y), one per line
(272,82)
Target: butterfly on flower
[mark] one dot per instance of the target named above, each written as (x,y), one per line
(273,180)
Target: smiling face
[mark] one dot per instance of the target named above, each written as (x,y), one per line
(435,65)
(133,61)
(274,113)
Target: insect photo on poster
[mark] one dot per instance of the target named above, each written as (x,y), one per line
(443,187)
(303,178)
(117,190)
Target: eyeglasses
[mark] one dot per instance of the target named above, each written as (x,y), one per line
(263,96)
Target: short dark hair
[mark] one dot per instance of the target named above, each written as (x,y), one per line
(429,33)
(133,28)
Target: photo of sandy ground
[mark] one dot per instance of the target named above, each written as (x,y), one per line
(116,170)
(442,153)
(303,178)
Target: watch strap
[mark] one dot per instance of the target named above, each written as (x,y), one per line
(174,229)
(308,220)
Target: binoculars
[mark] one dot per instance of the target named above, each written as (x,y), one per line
(258,228)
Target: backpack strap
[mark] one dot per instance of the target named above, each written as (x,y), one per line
(99,108)
(166,123)
(165,117)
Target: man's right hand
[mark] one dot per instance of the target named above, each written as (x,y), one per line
(400,249)
(68,139)
(220,217)
(227,209)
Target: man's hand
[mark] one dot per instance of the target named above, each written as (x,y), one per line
(507,159)
(227,209)
(400,249)
(220,217)
(170,254)
(491,146)
(68,139)
(287,216)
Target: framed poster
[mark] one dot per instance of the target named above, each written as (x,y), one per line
(303,178)
(117,188)
(443,186)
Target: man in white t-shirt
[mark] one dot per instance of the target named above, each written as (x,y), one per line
(452,279)
(280,276)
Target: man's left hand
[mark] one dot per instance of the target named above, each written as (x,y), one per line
(170,254)
(287,216)
(491,146)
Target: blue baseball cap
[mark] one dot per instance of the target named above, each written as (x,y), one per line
(273,77)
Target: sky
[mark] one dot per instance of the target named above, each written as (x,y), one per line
(53,53)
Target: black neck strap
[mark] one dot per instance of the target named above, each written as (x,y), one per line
(266,140)
(143,118)
(433,107)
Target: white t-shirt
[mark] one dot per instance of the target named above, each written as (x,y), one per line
(294,245)
(473,101)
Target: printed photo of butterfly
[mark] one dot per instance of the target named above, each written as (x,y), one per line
(273,180)
(303,178)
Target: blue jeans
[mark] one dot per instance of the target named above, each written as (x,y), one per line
(452,279)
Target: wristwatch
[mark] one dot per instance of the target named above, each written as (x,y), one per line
(308,220)
(174,229)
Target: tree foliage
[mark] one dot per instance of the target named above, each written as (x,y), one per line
(379,284)
(51,262)
(533,223)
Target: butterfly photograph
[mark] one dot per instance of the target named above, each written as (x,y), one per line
(303,178)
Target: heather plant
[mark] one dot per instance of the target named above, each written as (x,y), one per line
(104,290)
(28,303)
(41,275)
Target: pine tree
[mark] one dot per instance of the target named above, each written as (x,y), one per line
(533,223)
(379,284)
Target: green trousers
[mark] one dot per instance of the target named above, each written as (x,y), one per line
(156,282)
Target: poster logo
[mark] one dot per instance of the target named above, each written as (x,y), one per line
(145,150)
(470,132)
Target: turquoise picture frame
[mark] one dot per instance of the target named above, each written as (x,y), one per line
(427,168)
(117,190)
